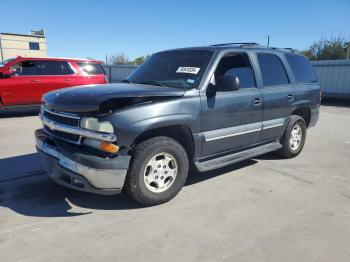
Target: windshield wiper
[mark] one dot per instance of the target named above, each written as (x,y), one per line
(152,82)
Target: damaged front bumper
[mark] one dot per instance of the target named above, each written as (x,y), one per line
(81,171)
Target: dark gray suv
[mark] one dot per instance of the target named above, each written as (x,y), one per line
(201,108)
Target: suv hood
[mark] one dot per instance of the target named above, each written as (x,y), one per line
(93,98)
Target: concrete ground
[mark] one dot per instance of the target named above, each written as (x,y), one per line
(265,209)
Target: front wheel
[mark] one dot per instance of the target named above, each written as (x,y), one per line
(294,138)
(158,171)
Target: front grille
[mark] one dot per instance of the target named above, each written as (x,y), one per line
(62,119)
(63,135)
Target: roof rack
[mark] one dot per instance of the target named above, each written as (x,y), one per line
(241,44)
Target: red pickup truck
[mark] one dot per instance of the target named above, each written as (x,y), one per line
(23,81)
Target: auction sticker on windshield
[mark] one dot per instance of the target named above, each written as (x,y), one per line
(188,70)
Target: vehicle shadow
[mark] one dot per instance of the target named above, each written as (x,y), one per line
(340,102)
(27,190)
(270,156)
(19,113)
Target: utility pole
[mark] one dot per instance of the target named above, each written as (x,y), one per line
(2,55)
(347,50)
(268,41)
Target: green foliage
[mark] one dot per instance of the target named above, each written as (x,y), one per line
(328,49)
(140,60)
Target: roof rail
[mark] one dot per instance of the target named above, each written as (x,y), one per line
(243,43)
(285,48)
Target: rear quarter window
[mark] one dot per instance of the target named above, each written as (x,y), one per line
(302,69)
(91,68)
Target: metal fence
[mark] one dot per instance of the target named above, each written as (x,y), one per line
(117,73)
(334,77)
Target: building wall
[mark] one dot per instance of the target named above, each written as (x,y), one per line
(18,45)
(334,77)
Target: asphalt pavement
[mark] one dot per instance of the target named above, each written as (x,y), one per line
(264,209)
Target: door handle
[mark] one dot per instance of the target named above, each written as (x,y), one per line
(257,101)
(67,80)
(35,81)
(290,97)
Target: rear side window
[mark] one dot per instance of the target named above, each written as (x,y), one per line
(90,68)
(302,69)
(272,70)
(54,68)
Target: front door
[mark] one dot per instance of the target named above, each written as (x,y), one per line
(32,79)
(231,120)
(20,88)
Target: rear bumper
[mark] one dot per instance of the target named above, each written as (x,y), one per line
(81,171)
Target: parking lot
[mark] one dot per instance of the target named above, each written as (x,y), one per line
(265,209)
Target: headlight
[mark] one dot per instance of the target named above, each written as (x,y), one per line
(94,124)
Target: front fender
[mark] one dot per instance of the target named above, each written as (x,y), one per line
(132,122)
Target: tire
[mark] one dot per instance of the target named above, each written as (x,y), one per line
(292,145)
(170,161)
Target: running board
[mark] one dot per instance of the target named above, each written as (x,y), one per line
(236,157)
(10,109)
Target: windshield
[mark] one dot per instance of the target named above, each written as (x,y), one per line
(6,61)
(181,69)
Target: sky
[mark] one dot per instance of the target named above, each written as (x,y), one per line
(77,28)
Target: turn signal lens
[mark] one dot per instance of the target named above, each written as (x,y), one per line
(101,145)
(109,147)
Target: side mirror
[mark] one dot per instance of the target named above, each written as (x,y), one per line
(227,83)
(211,90)
(7,73)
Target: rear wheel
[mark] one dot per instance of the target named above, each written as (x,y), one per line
(294,138)
(158,171)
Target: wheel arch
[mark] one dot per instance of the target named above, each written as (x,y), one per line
(304,112)
(180,133)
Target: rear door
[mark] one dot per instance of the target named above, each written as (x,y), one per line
(278,94)
(307,88)
(231,120)
(53,75)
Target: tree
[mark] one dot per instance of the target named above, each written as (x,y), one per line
(328,49)
(123,59)
(140,60)
(118,59)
